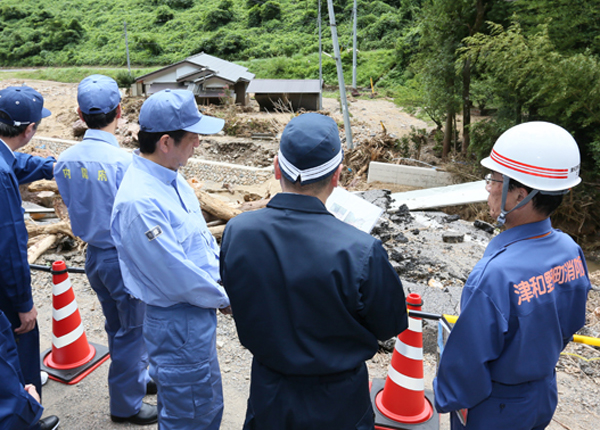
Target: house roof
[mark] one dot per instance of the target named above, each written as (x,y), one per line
(223,69)
(289,86)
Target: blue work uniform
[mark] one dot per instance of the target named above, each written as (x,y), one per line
(170,261)
(15,278)
(88,176)
(520,307)
(18,410)
(311,295)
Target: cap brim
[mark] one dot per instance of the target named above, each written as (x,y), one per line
(207,125)
(45,112)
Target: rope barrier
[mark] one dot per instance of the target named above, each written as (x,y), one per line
(49,269)
(588,340)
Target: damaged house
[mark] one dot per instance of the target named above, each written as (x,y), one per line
(211,79)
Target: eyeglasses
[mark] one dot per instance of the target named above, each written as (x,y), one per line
(488,178)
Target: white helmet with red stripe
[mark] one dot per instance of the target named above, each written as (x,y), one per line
(540,155)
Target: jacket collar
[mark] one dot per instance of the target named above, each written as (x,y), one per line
(518,233)
(163,174)
(298,202)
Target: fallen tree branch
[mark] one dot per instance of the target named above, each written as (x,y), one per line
(251,206)
(43,185)
(39,248)
(212,205)
(217,231)
(62,227)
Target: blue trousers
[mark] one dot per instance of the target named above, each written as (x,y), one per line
(17,408)
(181,343)
(28,348)
(338,401)
(128,373)
(528,406)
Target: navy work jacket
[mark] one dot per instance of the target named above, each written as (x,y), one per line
(15,279)
(311,295)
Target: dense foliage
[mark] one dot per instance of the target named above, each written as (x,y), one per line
(521,60)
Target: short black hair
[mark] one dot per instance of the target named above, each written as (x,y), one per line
(7,130)
(313,187)
(543,203)
(148,140)
(99,120)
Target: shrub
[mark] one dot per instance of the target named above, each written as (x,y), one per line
(270,10)
(217,18)
(124,79)
(163,14)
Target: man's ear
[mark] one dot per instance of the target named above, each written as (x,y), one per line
(30,131)
(164,144)
(80,114)
(119,111)
(336,176)
(522,194)
(277,169)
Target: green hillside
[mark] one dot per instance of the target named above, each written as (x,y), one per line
(80,32)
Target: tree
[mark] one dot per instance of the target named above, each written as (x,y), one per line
(532,80)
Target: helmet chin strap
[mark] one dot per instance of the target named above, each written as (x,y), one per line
(503,212)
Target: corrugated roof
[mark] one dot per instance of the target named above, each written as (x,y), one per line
(289,86)
(224,69)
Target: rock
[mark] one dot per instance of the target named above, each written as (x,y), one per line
(384,237)
(387,345)
(396,255)
(79,128)
(400,238)
(482,225)
(415,231)
(453,237)
(451,218)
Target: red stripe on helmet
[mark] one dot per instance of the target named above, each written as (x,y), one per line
(517,166)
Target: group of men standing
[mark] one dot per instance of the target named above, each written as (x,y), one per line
(310,295)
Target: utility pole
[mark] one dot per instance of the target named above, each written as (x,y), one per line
(127,47)
(354,47)
(340,73)
(320,62)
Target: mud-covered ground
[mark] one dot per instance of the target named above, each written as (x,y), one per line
(427,264)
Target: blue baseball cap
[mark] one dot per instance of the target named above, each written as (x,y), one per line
(172,110)
(310,148)
(23,105)
(98,94)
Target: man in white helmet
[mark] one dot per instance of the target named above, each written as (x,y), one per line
(525,298)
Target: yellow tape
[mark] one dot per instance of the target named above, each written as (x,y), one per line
(593,341)
(579,356)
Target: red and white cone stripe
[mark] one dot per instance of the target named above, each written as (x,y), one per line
(403,396)
(65,312)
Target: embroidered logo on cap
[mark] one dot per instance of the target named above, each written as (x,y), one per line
(153,233)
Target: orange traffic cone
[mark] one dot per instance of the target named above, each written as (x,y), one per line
(71,358)
(402,401)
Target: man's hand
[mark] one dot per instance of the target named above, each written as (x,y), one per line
(226,311)
(27,321)
(30,388)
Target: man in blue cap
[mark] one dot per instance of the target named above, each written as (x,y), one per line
(21,111)
(88,177)
(310,294)
(170,261)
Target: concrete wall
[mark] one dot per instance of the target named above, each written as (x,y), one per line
(202,169)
